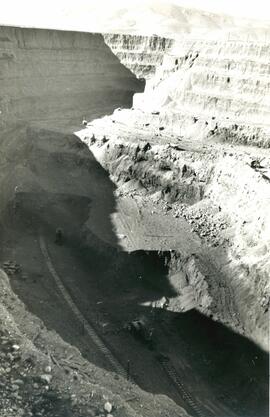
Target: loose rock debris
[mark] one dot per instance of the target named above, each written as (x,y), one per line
(211,192)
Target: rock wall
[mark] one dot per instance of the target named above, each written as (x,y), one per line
(58,75)
(243,193)
(213,88)
(223,198)
(141,54)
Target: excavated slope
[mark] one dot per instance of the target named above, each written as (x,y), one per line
(207,91)
(59,75)
(220,191)
(51,76)
(141,54)
(213,88)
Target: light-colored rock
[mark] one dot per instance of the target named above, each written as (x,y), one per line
(46,378)
(108,407)
(15,347)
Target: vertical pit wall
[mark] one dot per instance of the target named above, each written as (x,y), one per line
(50,75)
(59,75)
(143,55)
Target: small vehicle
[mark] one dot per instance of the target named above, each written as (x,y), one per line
(141,330)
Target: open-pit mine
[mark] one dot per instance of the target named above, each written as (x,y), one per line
(134,225)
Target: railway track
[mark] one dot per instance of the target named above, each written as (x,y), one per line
(92,334)
(89,330)
(173,376)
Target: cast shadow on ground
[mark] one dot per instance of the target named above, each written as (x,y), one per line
(66,186)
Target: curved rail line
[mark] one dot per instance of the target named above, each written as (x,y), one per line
(194,406)
(173,375)
(167,366)
(87,327)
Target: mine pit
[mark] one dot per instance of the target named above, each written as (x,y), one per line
(134,247)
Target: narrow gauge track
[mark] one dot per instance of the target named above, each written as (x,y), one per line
(89,330)
(174,377)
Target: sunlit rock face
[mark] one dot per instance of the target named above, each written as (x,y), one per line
(210,88)
(141,54)
(209,91)
(53,75)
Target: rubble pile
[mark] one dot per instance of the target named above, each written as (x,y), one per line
(207,221)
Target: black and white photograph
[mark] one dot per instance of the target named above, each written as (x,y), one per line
(134,208)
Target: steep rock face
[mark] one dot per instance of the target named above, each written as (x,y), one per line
(141,54)
(213,88)
(217,189)
(243,194)
(56,75)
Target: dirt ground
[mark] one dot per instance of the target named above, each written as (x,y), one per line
(25,219)
(115,264)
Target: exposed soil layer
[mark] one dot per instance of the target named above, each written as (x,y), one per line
(130,222)
(37,209)
(43,375)
(111,286)
(204,184)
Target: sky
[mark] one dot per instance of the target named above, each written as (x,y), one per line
(76,14)
(257,9)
